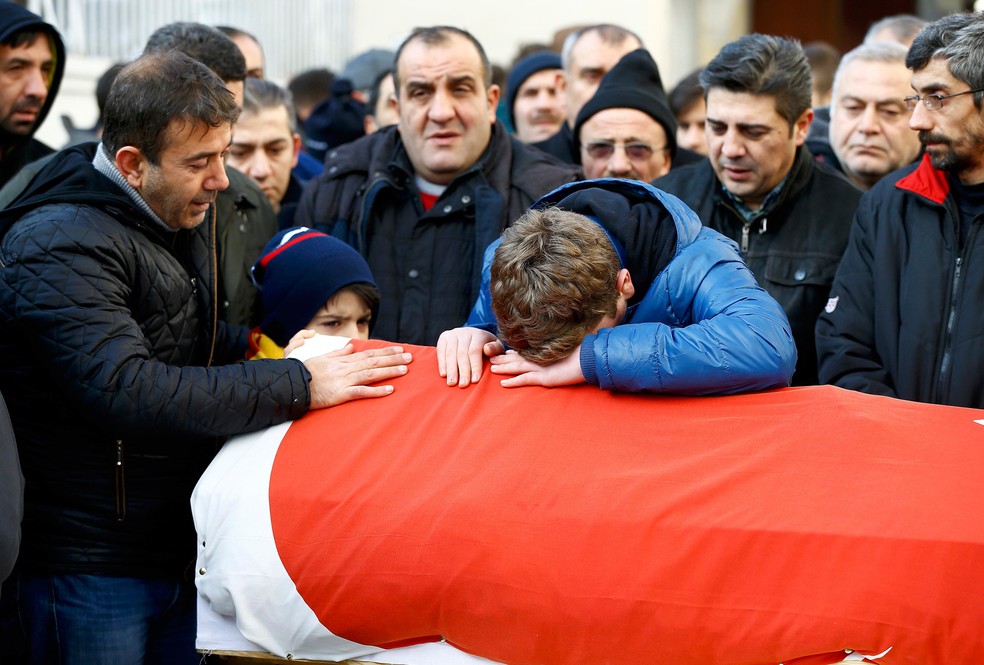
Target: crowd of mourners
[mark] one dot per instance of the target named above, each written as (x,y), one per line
(785,215)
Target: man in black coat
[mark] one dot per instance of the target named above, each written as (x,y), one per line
(904,317)
(422,200)
(113,372)
(32,61)
(762,188)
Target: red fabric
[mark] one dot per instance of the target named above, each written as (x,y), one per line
(428,200)
(926,181)
(578,526)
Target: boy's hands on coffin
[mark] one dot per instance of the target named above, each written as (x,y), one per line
(564,372)
(342,376)
(460,354)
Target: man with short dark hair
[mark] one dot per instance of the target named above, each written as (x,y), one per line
(114,372)
(245,219)
(265,146)
(32,61)
(761,186)
(250,47)
(422,200)
(614,283)
(904,315)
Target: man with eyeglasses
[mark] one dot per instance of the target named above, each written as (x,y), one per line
(904,317)
(762,187)
(627,130)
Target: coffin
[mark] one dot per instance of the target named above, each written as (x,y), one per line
(574,526)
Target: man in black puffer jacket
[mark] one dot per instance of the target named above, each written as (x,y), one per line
(761,186)
(423,200)
(113,372)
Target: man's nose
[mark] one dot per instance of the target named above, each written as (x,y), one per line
(441,107)
(217,179)
(920,118)
(732,144)
(259,166)
(619,164)
(37,84)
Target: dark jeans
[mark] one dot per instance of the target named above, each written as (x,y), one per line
(97,620)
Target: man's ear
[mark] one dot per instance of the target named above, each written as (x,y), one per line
(560,82)
(623,284)
(802,126)
(133,165)
(492,98)
(297,149)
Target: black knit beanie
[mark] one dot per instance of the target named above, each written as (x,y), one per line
(633,83)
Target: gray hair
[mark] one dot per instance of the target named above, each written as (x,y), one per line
(608,32)
(263,94)
(902,26)
(959,39)
(887,52)
(764,65)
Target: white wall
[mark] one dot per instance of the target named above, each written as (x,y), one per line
(681,34)
(675,31)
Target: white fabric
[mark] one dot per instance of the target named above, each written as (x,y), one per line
(247,600)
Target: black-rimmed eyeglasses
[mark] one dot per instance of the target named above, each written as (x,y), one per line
(933,102)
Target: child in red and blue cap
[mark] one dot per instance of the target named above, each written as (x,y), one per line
(311,281)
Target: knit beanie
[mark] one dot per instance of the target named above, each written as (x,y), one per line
(299,271)
(522,70)
(335,121)
(633,83)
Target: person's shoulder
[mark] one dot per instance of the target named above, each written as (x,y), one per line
(243,192)
(832,179)
(696,176)
(363,155)
(526,157)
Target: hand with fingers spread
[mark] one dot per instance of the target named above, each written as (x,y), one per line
(460,354)
(565,372)
(343,375)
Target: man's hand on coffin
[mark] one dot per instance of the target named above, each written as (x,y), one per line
(341,376)
(460,354)
(564,372)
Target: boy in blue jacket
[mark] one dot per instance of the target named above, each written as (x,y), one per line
(616,283)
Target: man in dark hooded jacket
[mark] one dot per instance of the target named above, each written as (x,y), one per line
(32,61)
(120,379)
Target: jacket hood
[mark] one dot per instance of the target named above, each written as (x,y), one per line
(650,225)
(68,177)
(14,19)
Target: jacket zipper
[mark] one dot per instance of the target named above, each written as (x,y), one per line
(943,390)
(120,483)
(213,292)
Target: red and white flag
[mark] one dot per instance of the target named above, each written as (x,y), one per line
(573,525)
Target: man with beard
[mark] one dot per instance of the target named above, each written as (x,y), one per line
(904,316)
(761,186)
(32,61)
